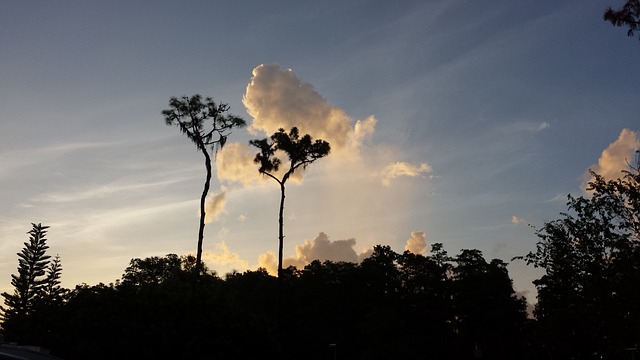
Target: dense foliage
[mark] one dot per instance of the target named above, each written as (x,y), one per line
(588,297)
(390,306)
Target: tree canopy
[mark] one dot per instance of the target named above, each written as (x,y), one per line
(587,298)
(628,15)
(390,305)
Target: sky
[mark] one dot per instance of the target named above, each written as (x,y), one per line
(458,122)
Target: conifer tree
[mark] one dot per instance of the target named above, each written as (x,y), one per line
(53,292)
(30,281)
(208,125)
(301,151)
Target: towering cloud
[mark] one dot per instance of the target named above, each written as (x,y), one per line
(276,98)
(417,244)
(615,157)
(356,168)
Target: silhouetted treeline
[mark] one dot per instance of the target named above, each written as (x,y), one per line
(401,306)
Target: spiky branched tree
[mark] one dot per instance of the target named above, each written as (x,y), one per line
(29,283)
(53,292)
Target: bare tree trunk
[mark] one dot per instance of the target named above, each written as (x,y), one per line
(280,230)
(207,183)
(279,295)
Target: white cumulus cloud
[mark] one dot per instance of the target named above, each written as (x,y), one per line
(276,98)
(268,261)
(320,248)
(417,244)
(235,163)
(224,259)
(616,156)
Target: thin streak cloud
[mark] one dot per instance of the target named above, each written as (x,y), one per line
(101,191)
(402,168)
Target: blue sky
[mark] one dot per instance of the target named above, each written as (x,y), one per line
(456,122)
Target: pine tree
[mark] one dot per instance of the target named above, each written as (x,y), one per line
(53,292)
(30,281)
(191,115)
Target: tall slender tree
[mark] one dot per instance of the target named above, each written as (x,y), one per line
(30,281)
(301,151)
(207,124)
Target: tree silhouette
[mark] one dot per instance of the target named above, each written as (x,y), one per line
(628,15)
(191,115)
(152,270)
(30,281)
(488,314)
(21,320)
(391,305)
(53,292)
(587,297)
(301,151)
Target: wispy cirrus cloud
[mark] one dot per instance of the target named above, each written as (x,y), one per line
(11,161)
(519,221)
(402,168)
(529,126)
(105,190)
